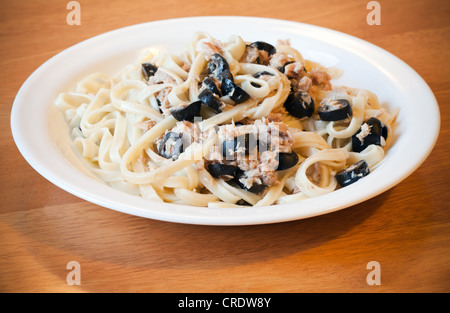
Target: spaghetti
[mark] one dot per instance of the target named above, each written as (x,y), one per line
(223,124)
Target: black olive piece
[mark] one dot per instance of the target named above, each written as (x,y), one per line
(353,173)
(261,45)
(299,104)
(218,66)
(159,105)
(175,149)
(210,83)
(227,75)
(255,188)
(229,147)
(286,160)
(224,171)
(255,85)
(236,93)
(335,110)
(148,70)
(188,112)
(378,126)
(243,202)
(282,68)
(257,75)
(211,100)
(377,131)
(264,146)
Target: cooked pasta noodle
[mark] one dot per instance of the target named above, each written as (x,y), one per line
(128,127)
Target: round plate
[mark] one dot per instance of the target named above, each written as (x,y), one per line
(42,135)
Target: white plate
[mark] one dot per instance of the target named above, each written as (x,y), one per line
(42,136)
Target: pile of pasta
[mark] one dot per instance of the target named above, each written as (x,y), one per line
(115,121)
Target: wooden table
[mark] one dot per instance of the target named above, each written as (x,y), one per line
(406,229)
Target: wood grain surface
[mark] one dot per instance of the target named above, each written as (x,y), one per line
(406,229)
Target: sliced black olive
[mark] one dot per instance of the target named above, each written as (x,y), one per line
(243,202)
(281,68)
(353,173)
(224,171)
(211,100)
(372,132)
(148,70)
(227,75)
(335,110)
(171,145)
(159,105)
(257,75)
(211,84)
(236,93)
(247,141)
(218,67)
(255,188)
(255,85)
(378,127)
(228,149)
(188,112)
(261,45)
(299,104)
(287,160)
(253,53)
